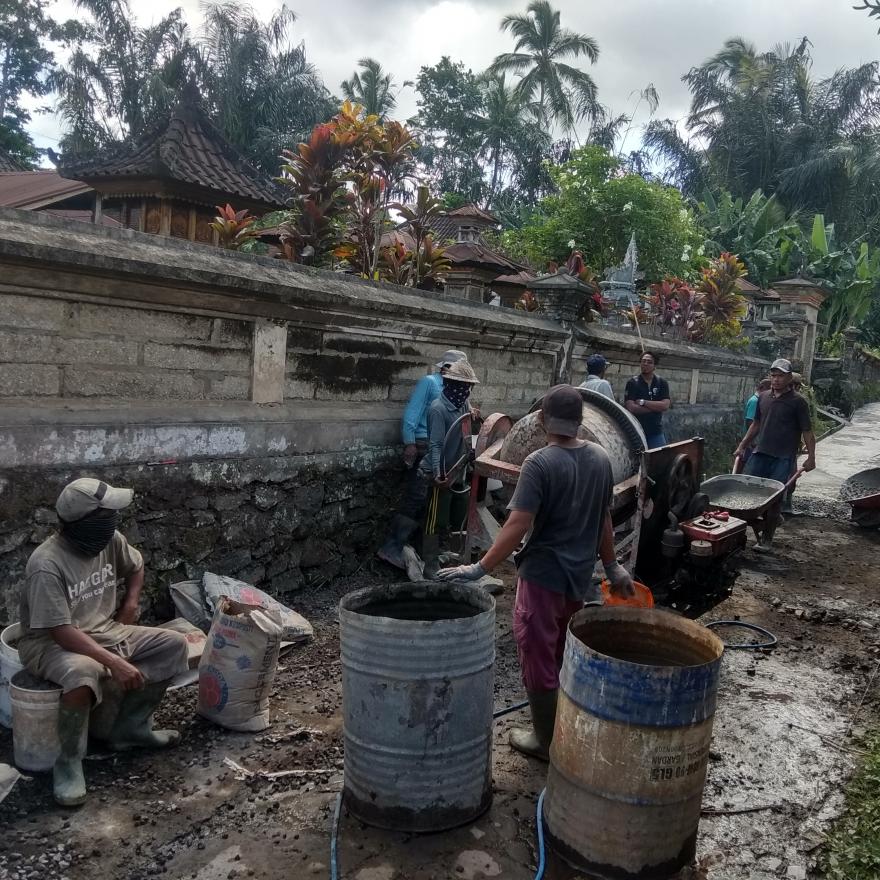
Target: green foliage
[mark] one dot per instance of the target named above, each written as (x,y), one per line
(234,228)
(450,97)
(371,87)
(559,92)
(256,83)
(761,121)
(853,849)
(598,206)
(758,230)
(26,63)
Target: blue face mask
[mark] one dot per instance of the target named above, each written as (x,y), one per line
(457,393)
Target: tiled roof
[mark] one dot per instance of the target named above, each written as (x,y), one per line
(474,213)
(187,149)
(31,190)
(477,254)
(7,163)
(519,279)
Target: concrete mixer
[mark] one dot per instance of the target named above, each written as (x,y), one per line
(664,533)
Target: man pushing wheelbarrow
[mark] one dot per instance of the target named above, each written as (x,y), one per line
(781,420)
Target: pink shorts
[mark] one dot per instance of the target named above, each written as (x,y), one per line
(540,620)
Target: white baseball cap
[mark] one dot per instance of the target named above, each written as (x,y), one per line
(86,495)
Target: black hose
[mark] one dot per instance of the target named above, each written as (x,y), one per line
(498,713)
(770,643)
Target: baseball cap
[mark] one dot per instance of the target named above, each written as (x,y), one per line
(461,371)
(596,363)
(781,364)
(563,409)
(452,356)
(86,495)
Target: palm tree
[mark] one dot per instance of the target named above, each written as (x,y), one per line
(561,93)
(759,121)
(256,84)
(372,88)
(130,77)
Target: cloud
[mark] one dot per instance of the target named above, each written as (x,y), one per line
(640,41)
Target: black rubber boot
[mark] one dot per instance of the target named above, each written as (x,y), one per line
(536,742)
(399,533)
(134,724)
(431,556)
(68,781)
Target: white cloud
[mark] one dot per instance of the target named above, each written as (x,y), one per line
(640,41)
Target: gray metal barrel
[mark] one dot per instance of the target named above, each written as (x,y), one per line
(631,742)
(417,695)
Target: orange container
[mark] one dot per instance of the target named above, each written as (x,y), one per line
(643,598)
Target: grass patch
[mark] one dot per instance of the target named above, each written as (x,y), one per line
(853,848)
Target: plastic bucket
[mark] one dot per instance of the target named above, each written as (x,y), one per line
(9,665)
(34,722)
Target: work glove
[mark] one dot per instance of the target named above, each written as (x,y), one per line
(410,453)
(620,580)
(462,573)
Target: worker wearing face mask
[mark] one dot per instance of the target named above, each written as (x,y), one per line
(75,635)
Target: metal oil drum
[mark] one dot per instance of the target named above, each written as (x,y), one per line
(631,743)
(417,696)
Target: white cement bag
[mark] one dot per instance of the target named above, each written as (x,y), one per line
(296,628)
(238,665)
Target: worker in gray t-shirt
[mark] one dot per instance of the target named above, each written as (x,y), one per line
(596,381)
(562,503)
(76,635)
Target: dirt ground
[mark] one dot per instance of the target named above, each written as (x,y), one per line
(786,739)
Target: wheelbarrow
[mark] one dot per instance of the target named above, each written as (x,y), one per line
(746,497)
(862,492)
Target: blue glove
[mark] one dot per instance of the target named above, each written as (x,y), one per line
(462,573)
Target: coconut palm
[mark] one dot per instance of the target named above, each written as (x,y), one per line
(560,92)
(371,87)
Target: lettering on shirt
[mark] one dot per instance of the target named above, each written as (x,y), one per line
(91,587)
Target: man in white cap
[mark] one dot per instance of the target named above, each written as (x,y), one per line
(415,445)
(782,418)
(75,635)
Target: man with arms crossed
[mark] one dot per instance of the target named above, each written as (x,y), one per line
(562,502)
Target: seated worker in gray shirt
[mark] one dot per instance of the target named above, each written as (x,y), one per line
(73,633)
(562,502)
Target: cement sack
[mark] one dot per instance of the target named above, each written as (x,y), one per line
(296,627)
(238,666)
(196,600)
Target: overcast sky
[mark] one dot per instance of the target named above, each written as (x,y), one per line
(640,41)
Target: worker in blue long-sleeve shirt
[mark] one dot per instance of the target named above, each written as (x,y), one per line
(415,445)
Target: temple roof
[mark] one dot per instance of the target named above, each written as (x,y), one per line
(186,151)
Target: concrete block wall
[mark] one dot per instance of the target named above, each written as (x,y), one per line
(697,375)
(64,347)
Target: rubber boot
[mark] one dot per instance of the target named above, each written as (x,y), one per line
(536,742)
(68,781)
(431,556)
(134,724)
(398,534)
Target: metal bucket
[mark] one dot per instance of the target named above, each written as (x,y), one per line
(631,742)
(417,694)
(35,704)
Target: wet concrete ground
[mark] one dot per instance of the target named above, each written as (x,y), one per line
(786,738)
(853,448)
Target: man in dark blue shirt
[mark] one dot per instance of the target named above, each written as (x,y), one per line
(647,398)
